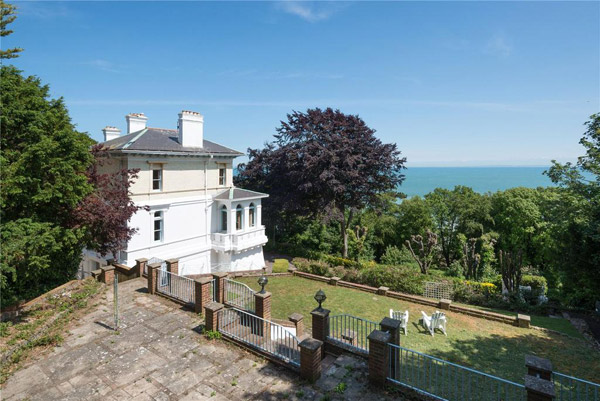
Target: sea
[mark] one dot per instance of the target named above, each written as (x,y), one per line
(422,180)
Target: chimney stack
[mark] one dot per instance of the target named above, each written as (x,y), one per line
(111,133)
(191,129)
(135,122)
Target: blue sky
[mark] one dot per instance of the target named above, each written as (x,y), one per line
(452,83)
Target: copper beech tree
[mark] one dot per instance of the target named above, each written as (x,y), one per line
(323,163)
(106,211)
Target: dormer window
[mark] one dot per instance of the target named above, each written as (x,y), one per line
(252,215)
(157,177)
(239,218)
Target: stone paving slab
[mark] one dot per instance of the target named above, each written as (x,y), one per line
(158,355)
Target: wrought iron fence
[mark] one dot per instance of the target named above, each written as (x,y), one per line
(239,295)
(351,332)
(265,335)
(178,287)
(570,388)
(438,290)
(448,381)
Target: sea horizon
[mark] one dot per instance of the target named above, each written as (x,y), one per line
(422,180)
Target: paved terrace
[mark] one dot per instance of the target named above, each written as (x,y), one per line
(158,354)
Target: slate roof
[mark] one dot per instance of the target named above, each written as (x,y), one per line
(238,194)
(165,140)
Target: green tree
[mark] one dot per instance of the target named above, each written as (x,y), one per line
(7,16)
(413,217)
(577,219)
(460,210)
(44,160)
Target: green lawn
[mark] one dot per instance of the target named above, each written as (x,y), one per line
(492,347)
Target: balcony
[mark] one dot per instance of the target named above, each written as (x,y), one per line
(240,240)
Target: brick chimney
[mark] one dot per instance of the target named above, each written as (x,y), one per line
(111,133)
(135,122)
(191,129)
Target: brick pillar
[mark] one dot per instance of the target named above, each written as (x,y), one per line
(140,264)
(202,293)
(445,304)
(220,286)
(263,310)
(153,277)
(523,321)
(334,281)
(538,380)
(392,326)
(173,266)
(310,359)
(320,324)
(108,274)
(211,316)
(378,357)
(538,367)
(298,321)
(538,389)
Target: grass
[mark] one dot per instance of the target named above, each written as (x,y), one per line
(492,347)
(280,266)
(557,324)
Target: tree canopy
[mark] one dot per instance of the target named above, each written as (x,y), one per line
(53,202)
(325,163)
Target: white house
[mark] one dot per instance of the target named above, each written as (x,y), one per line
(195,213)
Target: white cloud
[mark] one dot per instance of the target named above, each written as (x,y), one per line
(309,11)
(44,10)
(103,65)
(498,45)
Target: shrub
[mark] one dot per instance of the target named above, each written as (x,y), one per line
(213,335)
(396,256)
(301,264)
(397,278)
(337,261)
(538,283)
(280,266)
(320,268)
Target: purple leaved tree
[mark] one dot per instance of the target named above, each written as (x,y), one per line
(323,163)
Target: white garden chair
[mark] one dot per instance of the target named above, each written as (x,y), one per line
(435,321)
(403,317)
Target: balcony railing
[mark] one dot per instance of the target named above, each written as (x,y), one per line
(239,240)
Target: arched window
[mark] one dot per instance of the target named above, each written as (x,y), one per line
(224,218)
(239,218)
(252,215)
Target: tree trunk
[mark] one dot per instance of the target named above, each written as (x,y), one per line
(344,225)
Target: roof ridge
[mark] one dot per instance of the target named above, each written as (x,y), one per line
(135,138)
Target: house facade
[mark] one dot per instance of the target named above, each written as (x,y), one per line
(194,212)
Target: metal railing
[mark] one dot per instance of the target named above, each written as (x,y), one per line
(213,290)
(351,332)
(573,389)
(239,295)
(265,335)
(448,381)
(178,287)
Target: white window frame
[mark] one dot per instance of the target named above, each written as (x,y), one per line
(223,179)
(159,168)
(252,215)
(224,218)
(239,209)
(160,218)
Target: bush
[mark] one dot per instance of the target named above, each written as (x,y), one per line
(301,264)
(395,256)
(538,284)
(337,261)
(398,278)
(280,266)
